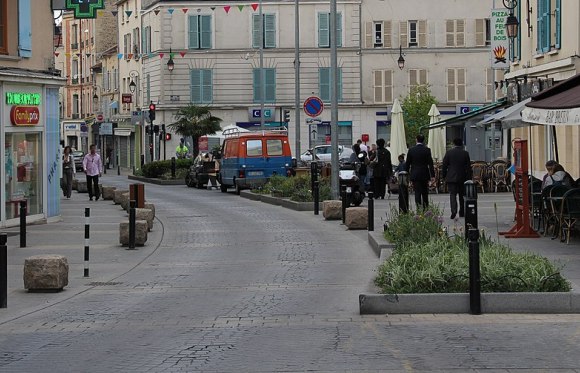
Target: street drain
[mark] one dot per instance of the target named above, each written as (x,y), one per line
(101,283)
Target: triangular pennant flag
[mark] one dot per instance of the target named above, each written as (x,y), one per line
(128,13)
(100,13)
(87,54)
(56,54)
(184,10)
(227,8)
(67,54)
(120,55)
(77,54)
(114,12)
(130,55)
(170,10)
(240,7)
(161,55)
(182,54)
(254,6)
(212,8)
(156,11)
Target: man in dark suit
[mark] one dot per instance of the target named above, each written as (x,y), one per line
(382,169)
(456,171)
(419,165)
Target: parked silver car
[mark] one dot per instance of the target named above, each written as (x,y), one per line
(323,153)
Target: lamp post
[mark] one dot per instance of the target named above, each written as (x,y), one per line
(401,60)
(170,63)
(512,23)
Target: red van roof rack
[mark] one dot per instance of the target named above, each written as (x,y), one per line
(235,132)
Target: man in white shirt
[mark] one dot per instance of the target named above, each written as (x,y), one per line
(93,167)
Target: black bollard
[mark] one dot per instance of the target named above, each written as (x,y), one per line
(4,269)
(470,204)
(173,167)
(142,160)
(474,272)
(403,178)
(316,192)
(371,212)
(343,194)
(87,236)
(132,204)
(23,223)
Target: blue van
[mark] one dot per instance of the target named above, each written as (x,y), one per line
(249,159)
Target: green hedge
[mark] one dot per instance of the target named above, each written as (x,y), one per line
(297,188)
(426,260)
(159,168)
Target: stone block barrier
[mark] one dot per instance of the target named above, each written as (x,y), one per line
(45,272)
(332,210)
(150,206)
(356,218)
(119,195)
(125,201)
(108,193)
(140,232)
(82,187)
(145,214)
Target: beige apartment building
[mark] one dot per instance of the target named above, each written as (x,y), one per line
(545,53)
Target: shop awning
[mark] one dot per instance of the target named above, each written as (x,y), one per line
(114,105)
(460,119)
(510,117)
(556,106)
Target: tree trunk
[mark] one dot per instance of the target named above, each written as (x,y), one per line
(194,146)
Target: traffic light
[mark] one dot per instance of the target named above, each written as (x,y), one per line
(152,111)
(156,129)
(147,129)
(167,137)
(286,116)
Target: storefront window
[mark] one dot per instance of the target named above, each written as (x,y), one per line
(23,157)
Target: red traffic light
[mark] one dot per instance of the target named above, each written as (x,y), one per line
(167,137)
(151,106)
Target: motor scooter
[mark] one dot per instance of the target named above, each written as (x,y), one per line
(350,179)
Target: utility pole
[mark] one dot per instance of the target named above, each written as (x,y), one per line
(334,181)
(262,74)
(297,76)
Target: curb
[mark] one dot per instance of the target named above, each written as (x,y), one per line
(156,181)
(376,304)
(277,201)
(378,244)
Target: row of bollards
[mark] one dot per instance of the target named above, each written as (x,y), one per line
(3,270)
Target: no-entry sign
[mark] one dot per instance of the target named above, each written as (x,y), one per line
(313,106)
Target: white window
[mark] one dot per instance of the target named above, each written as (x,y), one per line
(456,85)
(413,34)
(378,34)
(413,39)
(417,77)
(383,86)
(482,32)
(455,33)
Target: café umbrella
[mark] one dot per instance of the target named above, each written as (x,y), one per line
(437,139)
(397,138)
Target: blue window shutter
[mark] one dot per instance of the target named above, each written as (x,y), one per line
(144,41)
(324,83)
(540,25)
(193,32)
(543,26)
(339,29)
(24,29)
(255,31)
(148,88)
(207,86)
(339,93)
(257,90)
(323,30)
(196,86)
(558,16)
(269,31)
(270,75)
(205,28)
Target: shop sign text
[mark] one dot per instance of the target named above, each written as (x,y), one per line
(24,115)
(18,98)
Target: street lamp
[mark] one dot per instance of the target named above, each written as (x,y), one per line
(512,22)
(170,63)
(132,86)
(401,60)
(95,99)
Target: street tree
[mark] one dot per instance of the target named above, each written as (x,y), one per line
(416,107)
(195,121)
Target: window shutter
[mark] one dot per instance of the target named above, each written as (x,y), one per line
(378,85)
(324,83)
(460,32)
(144,40)
(403,39)
(205,30)
(540,26)
(461,85)
(339,92)
(422,76)
(207,86)
(388,83)
(24,29)
(255,31)
(450,85)
(257,90)
(422,25)
(544,25)
(323,30)
(558,16)
(489,84)
(387,34)
(270,31)
(338,29)
(270,77)
(412,77)
(369,35)
(193,32)
(480,32)
(196,86)
(449,33)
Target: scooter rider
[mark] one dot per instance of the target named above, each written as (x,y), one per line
(181,150)
(359,158)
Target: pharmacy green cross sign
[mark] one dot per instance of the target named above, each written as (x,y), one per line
(85,8)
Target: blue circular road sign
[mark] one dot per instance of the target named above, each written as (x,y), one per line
(313,106)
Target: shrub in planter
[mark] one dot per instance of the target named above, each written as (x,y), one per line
(158,168)
(419,227)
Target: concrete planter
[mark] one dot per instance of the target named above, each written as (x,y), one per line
(118,196)
(284,202)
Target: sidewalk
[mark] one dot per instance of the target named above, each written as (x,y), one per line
(496,214)
(108,259)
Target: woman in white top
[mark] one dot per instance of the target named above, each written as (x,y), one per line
(68,171)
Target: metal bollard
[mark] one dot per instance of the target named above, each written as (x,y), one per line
(403,191)
(23,223)
(142,160)
(474,272)
(132,204)
(371,212)
(343,194)
(316,192)
(4,270)
(87,236)
(470,204)
(173,167)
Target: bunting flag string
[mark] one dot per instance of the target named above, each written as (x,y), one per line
(87,54)
(254,6)
(56,54)
(156,11)
(114,12)
(182,54)
(161,55)
(130,56)
(170,10)
(120,55)
(184,10)
(240,7)
(67,54)
(212,8)
(227,9)
(77,54)
(128,13)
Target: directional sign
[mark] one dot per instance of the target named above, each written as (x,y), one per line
(85,8)
(313,106)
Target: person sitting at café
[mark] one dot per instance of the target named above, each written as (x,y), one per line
(556,175)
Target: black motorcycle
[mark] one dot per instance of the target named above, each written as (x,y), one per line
(350,179)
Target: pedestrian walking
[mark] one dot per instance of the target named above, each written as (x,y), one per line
(93,167)
(382,169)
(68,171)
(419,165)
(456,170)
